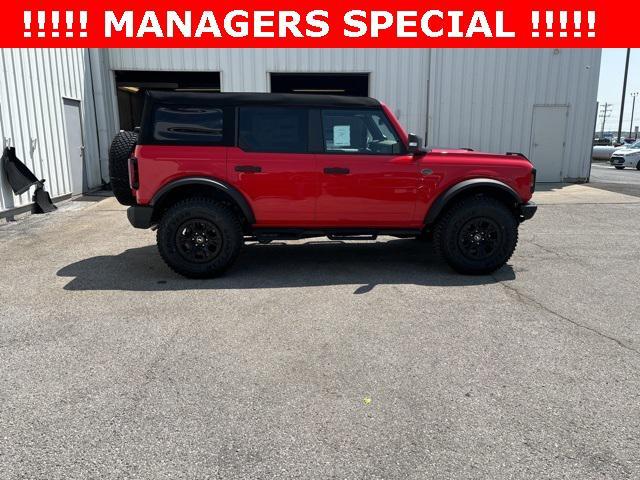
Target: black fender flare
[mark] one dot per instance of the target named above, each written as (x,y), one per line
(219,185)
(441,202)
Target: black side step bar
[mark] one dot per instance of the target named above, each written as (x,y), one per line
(332,236)
(269,234)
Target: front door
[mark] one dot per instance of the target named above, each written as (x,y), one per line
(366,177)
(272,165)
(75,145)
(548,141)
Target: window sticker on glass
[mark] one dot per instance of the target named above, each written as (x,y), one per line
(341,135)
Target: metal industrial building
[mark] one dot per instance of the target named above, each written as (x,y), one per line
(61,107)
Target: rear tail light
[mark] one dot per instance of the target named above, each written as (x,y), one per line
(533,179)
(134,178)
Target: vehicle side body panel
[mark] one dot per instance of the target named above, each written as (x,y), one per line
(378,191)
(159,165)
(446,168)
(328,189)
(281,187)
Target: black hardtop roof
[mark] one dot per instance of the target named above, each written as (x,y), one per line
(272,99)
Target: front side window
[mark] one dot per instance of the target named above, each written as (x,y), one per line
(188,124)
(273,129)
(359,132)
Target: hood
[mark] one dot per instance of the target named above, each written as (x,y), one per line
(469,153)
(626,151)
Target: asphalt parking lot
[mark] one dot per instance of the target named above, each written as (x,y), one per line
(606,177)
(322,360)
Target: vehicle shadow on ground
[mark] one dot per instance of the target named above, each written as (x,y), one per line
(280,265)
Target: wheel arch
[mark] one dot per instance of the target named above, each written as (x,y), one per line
(201,186)
(474,186)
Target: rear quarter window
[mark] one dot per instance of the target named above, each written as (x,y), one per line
(188,124)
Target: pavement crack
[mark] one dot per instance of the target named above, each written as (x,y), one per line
(532,301)
(562,255)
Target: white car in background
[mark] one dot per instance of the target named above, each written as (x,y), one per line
(628,156)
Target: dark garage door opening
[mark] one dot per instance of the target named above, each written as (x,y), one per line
(131,85)
(356,84)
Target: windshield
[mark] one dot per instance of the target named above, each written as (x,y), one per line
(635,144)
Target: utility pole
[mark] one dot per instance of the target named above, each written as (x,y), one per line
(605,112)
(633,108)
(624,92)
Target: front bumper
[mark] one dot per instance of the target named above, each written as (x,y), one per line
(616,161)
(527,211)
(140,216)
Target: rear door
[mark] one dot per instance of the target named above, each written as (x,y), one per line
(367,179)
(272,166)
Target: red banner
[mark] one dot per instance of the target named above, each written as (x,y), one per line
(411,24)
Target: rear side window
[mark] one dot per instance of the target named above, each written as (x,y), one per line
(269,129)
(188,124)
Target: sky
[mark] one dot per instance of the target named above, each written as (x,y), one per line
(610,87)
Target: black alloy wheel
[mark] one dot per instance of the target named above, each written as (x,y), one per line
(198,240)
(479,238)
(199,237)
(477,235)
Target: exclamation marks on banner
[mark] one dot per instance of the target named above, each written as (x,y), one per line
(52,28)
(55,22)
(535,23)
(591,20)
(577,20)
(83,24)
(562,31)
(563,24)
(27,24)
(69,21)
(41,21)
(549,22)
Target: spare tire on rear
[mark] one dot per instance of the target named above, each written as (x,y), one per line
(119,153)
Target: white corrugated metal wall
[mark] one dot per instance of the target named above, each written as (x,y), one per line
(484,99)
(477,98)
(397,77)
(32,87)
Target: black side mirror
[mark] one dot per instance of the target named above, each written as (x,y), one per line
(415,144)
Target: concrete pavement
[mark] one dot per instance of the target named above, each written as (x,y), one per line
(322,360)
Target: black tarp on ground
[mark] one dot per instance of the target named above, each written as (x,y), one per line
(21,179)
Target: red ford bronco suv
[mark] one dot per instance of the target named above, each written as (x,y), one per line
(213,170)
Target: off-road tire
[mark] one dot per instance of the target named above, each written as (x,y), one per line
(619,168)
(453,228)
(424,237)
(171,238)
(119,153)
